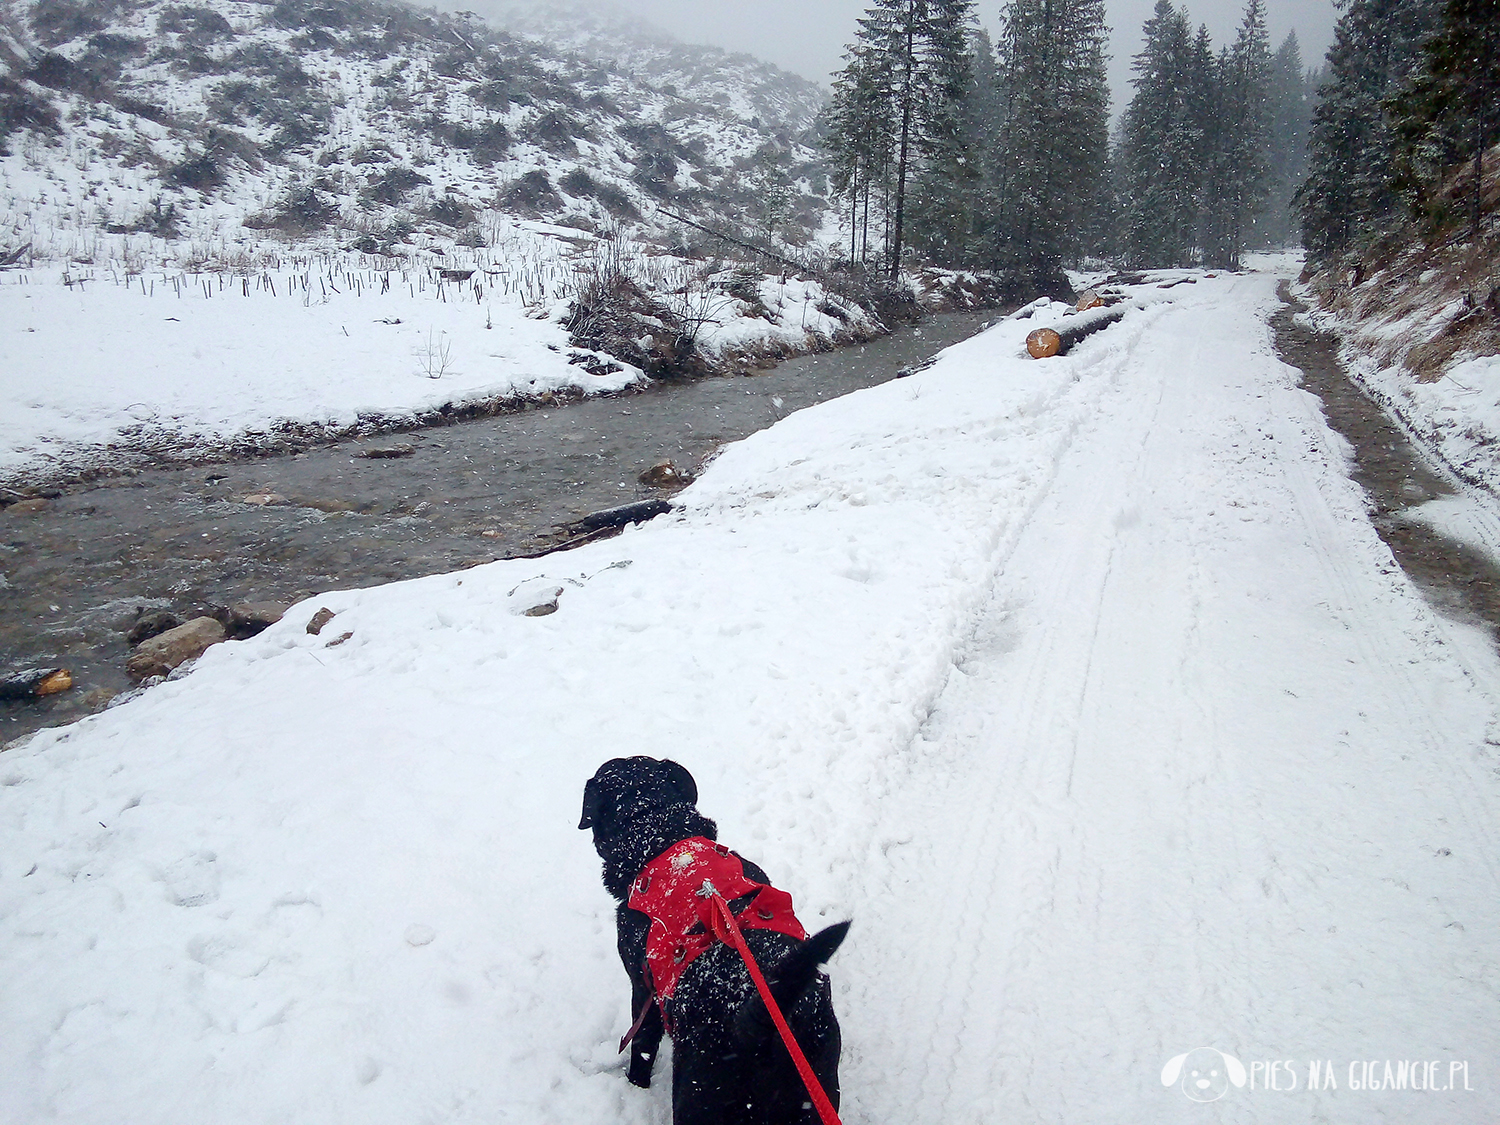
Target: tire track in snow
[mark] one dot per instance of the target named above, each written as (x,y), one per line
(1146,826)
(1359,600)
(960,920)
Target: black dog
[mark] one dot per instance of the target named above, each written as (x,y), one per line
(729,1064)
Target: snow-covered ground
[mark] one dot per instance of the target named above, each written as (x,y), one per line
(1457,415)
(1421,342)
(96,361)
(1084,686)
(196,360)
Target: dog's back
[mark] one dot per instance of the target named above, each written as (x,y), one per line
(729,1065)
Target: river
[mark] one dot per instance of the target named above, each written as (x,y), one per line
(75,575)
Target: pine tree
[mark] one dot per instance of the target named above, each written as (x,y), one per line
(1103,235)
(924,45)
(948,205)
(983,124)
(1164,141)
(1052,143)
(1290,113)
(860,140)
(1238,176)
(1450,111)
(1204,135)
(1349,199)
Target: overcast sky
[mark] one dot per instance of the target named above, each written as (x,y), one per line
(809,36)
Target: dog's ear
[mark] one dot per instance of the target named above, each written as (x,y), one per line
(682,781)
(590,803)
(1173,1070)
(1235,1068)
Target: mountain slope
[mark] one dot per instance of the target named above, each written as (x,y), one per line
(374,125)
(699,75)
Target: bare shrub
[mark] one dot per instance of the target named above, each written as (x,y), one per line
(392,185)
(612,312)
(435,356)
(305,209)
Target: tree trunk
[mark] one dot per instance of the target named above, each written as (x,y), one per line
(1478,168)
(906,108)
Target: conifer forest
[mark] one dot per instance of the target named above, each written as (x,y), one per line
(952,147)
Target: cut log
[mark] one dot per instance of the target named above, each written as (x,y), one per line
(1043,343)
(1089,299)
(1025,311)
(1070,331)
(34,683)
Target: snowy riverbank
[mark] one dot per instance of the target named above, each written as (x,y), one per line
(103,367)
(1085,687)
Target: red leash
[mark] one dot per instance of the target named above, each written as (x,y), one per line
(727,930)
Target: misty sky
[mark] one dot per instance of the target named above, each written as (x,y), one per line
(808,36)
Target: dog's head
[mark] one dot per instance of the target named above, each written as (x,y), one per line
(638,807)
(1205,1073)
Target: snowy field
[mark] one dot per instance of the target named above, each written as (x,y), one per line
(1084,687)
(97,360)
(196,360)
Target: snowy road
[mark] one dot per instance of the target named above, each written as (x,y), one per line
(1085,687)
(1216,780)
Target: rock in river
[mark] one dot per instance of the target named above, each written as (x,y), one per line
(664,474)
(249,618)
(148,625)
(161,654)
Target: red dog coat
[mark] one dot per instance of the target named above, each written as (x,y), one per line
(675,890)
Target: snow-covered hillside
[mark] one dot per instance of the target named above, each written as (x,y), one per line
(372,193)
(1086,687)
(698,75)
(367,124)
(1419,317)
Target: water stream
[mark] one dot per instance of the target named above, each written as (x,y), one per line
(75,575)
(1399,480)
